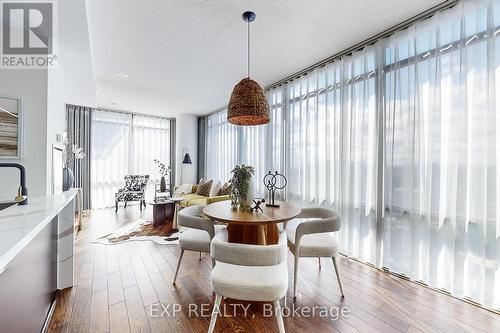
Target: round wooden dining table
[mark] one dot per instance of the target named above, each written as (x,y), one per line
(256,227)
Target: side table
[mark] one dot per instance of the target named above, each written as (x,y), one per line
(176,200)
(163,214)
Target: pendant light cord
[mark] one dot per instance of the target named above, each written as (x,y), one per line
(248,48)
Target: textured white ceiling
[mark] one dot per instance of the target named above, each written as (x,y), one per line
(185,56)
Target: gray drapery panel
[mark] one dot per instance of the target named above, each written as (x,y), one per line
(79,120)
(172,155)
(202,124)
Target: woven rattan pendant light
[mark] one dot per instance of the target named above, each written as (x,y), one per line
(248,104)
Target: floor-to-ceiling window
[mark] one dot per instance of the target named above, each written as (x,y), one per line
(401,139)
(222,146)
(260,146)
(441,152)
(122,144)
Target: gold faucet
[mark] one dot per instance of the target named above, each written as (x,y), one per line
(20,197)
(22,191)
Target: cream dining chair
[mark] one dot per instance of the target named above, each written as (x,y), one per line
(249,273)
(198,235)
(314,238)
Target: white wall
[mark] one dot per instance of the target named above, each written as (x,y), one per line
(31,86)
(45,94)
(72,81)
(186,137)
(75,54)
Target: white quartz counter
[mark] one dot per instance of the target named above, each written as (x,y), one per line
(20,224)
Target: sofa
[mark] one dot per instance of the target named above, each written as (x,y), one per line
(193,199)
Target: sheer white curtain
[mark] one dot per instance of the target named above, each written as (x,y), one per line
(258,146)
(261,145)
(442,152)
(110,155)
(151,140)
(123,144)
(401,139)
(331,120)
(221,147)
(358,187)
(253,151)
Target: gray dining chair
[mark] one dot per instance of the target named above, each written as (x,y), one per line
(198,235)
(314,238)
(249,273)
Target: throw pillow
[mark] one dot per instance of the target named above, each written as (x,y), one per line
(204,189)
(214,191)
(183,189)
(195,186)
(225,189)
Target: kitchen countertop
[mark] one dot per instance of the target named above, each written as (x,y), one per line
(20,224)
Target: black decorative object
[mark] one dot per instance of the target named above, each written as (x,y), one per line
(187,159)
(270,182)
(163,184)
(258,202)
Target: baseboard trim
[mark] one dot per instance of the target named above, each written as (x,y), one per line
(46,323)
(423,284)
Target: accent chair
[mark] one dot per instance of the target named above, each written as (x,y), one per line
(132,191)
(314,238)
(256,273)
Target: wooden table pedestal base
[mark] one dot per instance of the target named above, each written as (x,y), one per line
(260,234)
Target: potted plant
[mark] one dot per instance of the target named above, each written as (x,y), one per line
(242,185)
(71,153)
(164,171)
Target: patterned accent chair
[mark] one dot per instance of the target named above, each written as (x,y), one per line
(133,190)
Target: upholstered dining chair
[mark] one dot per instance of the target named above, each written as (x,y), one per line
(249,273)
(314,238)
(198,235)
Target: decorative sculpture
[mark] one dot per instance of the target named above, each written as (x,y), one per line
(271,183)
(258,202)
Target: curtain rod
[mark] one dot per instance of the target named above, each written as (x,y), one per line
(371,40)
(132,113)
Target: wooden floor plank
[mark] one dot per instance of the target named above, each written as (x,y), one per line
(100,280)
(80,315)
(100,257)
(181,322)
(128,277)
(135,309)
(115,288)
(99,319)
(144,282)
(159,323)
(112,263)
(118,318)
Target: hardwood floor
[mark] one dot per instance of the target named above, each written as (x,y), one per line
(118,287)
